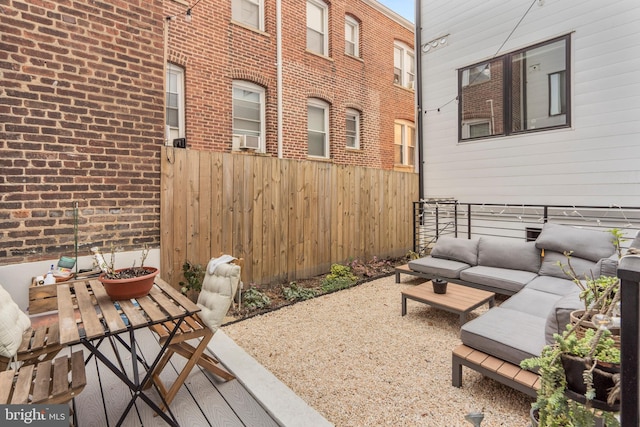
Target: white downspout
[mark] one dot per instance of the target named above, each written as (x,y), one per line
(279,74)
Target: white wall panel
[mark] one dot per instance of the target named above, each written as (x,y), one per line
(595,161)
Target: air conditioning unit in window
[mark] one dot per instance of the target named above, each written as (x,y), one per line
(249,141)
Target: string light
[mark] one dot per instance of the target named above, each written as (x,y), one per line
(494,55)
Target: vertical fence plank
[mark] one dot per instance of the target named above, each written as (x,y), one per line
(289,219)
(167,181)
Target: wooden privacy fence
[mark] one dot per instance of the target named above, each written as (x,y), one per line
(288,219)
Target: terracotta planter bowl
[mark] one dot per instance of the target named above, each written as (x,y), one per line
(135,287)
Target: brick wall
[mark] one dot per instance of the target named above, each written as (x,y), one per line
(81,121)
(214,51)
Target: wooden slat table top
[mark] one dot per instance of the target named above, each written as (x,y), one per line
(66,316)
(85,305)
(458,297)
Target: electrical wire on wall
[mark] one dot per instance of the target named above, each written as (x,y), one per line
(488,61)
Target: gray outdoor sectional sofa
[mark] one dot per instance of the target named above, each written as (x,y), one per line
(541,294)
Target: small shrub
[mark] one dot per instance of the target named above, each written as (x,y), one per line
(293,292)
(194,275)
(253,298)
(340,277)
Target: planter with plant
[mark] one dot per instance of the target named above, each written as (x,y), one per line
(125,283)
(194,275)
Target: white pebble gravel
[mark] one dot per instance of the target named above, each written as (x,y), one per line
(357,361)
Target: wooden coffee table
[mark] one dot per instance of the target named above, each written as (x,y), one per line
(458,299)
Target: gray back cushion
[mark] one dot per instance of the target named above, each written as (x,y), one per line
(582,267)
(507,253)
(463,250)
(588,244)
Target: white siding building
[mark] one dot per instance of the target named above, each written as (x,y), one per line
(531,101)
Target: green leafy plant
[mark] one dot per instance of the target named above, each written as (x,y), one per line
(293,292)
(194,275)
(340,277)
(554,408)
(253,298)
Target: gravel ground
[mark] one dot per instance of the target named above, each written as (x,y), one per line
(357,361)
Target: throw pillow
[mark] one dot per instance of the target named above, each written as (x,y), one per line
(463,250)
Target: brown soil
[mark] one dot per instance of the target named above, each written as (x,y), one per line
(364,271)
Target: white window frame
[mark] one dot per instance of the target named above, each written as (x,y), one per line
(173,132)
(320,104)
(404,61)
(237,134)
(239,3)
(324,8)
(355,115)
(407,159)
(352,26)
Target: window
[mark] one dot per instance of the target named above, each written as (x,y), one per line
(248,112)
(557,93)
(403,65)
(405,143)
(353,128)
(317,128)
(175,103)
(248,12)
(523,91)
(317,37)
(351,36)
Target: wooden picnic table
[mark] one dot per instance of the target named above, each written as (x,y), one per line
(88,316)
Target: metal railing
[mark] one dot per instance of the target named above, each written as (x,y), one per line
(434,218)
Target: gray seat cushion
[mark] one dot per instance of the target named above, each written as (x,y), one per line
(536,303)
(553,285)
(509,253)
(453,248)
(438,267)
(507,334)
(502,278)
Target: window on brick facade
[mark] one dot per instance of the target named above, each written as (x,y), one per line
(248,115)
(405,143)
(404,68)
(317,24)
(523,91)
(175,103)
(351,36)
(353,128)
(248,12)
(318,128)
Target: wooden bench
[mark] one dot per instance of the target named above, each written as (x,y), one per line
(504,372)
(38,344)
(47,382)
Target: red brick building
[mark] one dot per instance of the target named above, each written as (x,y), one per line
(346,80)
(82,118)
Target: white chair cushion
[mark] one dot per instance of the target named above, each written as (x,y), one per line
(218,290)
(13,323)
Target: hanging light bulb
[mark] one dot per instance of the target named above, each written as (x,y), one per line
(188,15)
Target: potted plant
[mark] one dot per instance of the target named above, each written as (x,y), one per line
(601,297)
(194,275)
(125,283)
(439,286)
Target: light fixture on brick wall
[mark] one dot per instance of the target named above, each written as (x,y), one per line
(188,16)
